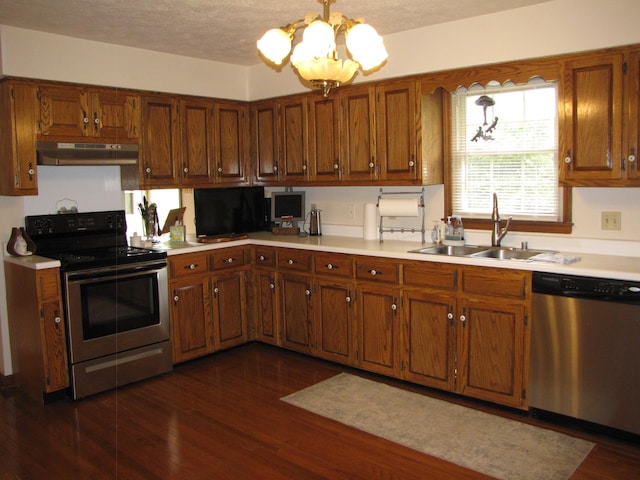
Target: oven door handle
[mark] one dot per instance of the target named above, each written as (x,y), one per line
(120,271)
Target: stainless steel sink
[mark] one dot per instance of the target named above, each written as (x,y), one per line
(507,254)
(450,250)
(477,251)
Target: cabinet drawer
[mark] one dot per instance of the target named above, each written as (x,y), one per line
(298,260)
(189,264)
(431,275)
(377,270)
(49,284)
(226,258)
(264,256)
(496,282)
(335,265)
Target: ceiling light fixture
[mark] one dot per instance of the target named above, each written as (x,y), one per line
(315,57)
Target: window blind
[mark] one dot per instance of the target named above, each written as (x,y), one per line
(520,164)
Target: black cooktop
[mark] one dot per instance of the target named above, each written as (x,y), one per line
(86,240)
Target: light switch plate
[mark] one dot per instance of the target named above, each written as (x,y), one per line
(611,220)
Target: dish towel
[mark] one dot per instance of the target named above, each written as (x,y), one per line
(555,258)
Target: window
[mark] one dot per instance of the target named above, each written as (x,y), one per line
(517,159)
(164,199)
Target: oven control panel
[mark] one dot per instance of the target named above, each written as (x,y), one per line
(69,223)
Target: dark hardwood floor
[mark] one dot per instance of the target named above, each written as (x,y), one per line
(220,417)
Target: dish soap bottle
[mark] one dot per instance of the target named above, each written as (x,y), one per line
(458,228)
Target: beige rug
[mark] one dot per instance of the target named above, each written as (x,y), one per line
(495,446)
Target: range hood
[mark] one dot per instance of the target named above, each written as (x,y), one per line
(62,153)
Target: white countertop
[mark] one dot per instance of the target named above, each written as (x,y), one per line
(590,265)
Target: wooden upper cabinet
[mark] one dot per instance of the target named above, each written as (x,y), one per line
(293,131)
(75,112)
(631,143)
(357,105)
(592,135)
(396,125)
(231,142)
(324,138)
(265,141)
(18,120)
(160,141)
(196,121)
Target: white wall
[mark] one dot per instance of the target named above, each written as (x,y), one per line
(555,27)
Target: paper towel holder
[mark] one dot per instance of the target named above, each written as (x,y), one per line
(421,208)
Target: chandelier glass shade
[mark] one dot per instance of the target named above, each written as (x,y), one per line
(315,58)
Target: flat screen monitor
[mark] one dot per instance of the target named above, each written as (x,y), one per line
(228,211)
(287,204)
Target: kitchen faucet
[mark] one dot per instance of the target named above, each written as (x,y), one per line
(497,234)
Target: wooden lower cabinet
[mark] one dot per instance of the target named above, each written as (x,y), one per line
(334,320)
(266,307)
(191,330)
(208,310)
(229,309)
(296,312)
(379,329)
(491,351)
(37,329)
(429,336)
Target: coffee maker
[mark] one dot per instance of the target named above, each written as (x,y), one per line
(315,224)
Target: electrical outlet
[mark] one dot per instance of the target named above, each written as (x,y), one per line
(611,220)
(351,211)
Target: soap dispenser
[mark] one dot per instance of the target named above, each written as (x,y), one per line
(458,228)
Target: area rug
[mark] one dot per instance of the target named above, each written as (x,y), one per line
(496,446)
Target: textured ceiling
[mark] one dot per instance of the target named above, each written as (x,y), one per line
(222,30)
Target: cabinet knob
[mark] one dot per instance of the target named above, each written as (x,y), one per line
(176,298)
(185,169)
(304,167)
(450,316)
(219,169)
(374,272)
(347,299)
(336,166)
(229,260)
(394,307)
(371,164)
(147,170)
(411,163)
(272,286)
(193,266)
(57,320)
(307,292)
(275,168)
(216,290)
(463,319)
(262,258)
(567,160)
(291,261)
(329,266)
(631,158)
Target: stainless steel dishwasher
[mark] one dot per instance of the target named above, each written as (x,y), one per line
(585,349)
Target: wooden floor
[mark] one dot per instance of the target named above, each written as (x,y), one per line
(221,418)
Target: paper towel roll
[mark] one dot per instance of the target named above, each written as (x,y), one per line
(398,207)
(370,223)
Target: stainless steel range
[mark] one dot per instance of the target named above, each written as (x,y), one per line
(115,299)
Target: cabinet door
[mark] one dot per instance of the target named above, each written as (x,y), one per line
(229,309)
(295,302)
(293,128)
(429,339)
(19,114)
(357,106)
(378,329)
(334,321)
(114,115)
(397,131)
(324,139)
(632,139)
(54,346)
(160,141)
(591,149)
(265,141)
(267,327)
(231,143)
(491,351)
(196,127)
(64,111)
(191,334)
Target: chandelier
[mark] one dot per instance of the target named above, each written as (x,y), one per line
(315,57)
